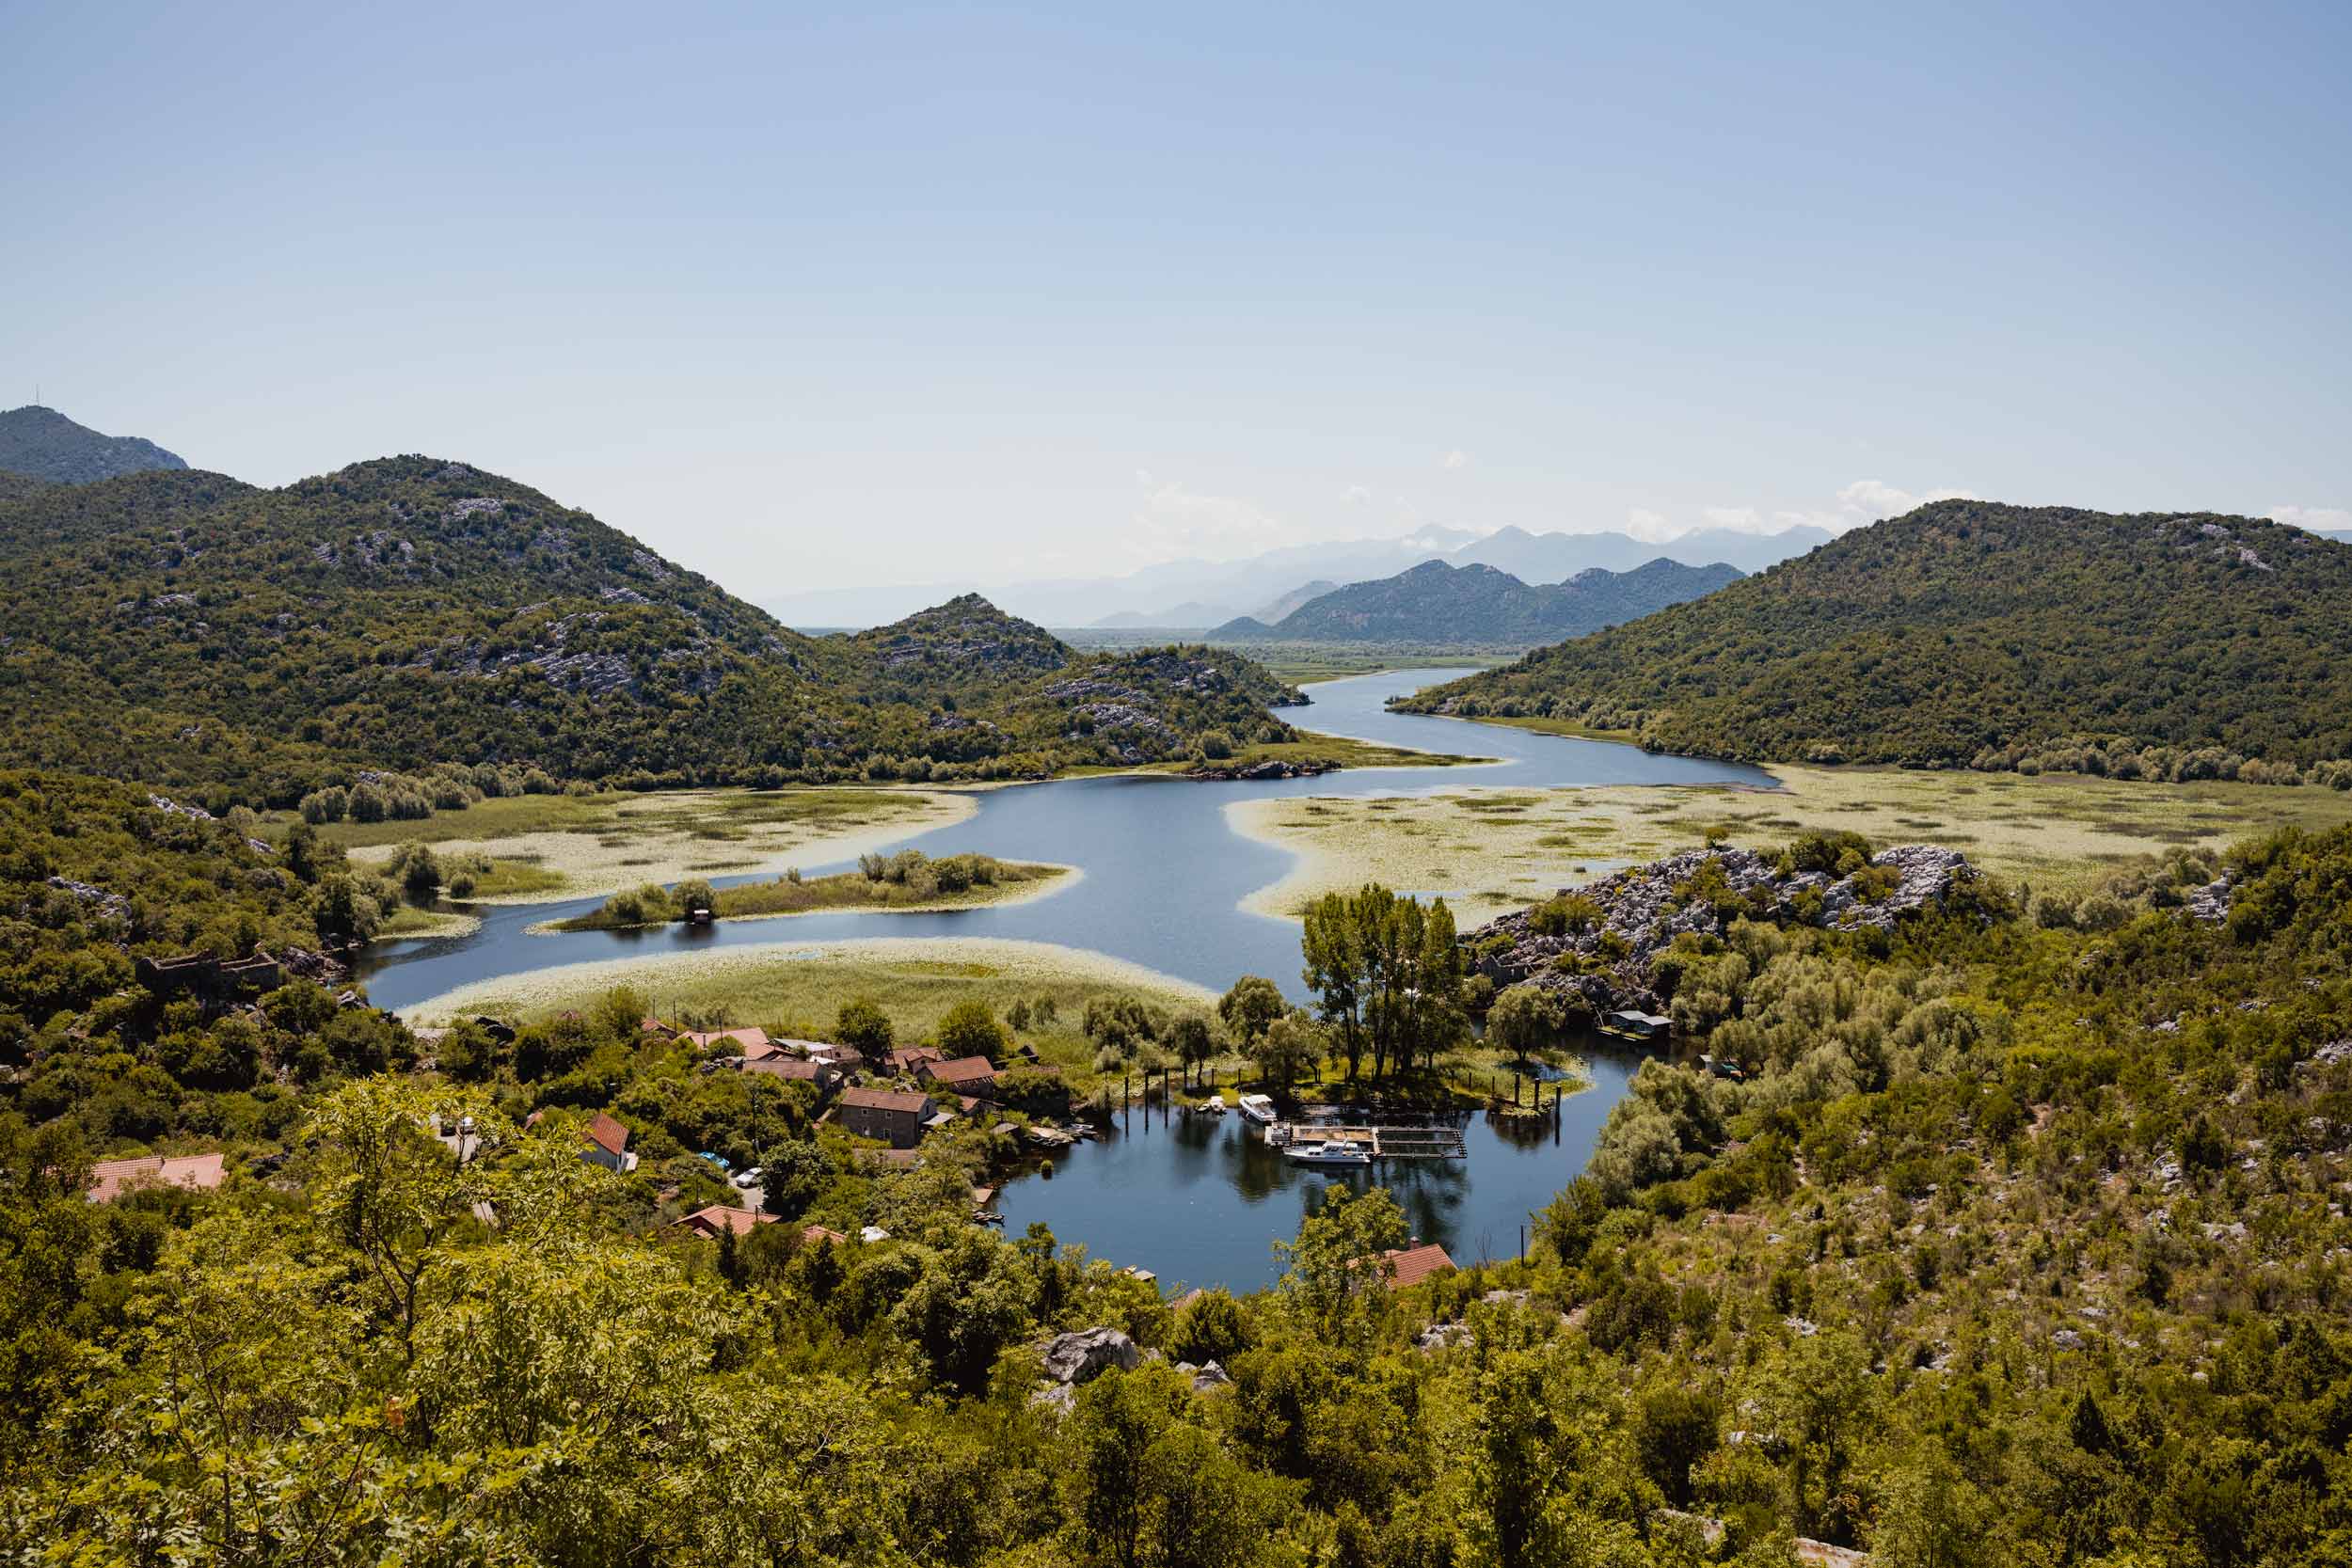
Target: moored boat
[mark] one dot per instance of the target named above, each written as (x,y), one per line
(1331,1151)
(1258,1108)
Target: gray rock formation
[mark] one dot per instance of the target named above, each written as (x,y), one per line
(1699,893)
(1082,1355)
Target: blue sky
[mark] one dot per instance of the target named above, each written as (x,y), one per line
(811,297)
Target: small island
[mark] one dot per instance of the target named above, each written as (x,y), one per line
(906,883)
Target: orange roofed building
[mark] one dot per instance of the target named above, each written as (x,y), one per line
(605,1142)
(710,1221)
(1413,1265)
(111,1179)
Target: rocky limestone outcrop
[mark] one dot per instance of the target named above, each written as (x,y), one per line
(1081,1357)
(2211,903)
(1699,893)
(1084,1355)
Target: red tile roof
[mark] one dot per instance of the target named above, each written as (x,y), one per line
(606,1133)
(1415,1264)
(110,1179)
(886,1099)
(717,1217)
(908,1057)
(744,1040)
(964,1069)
(816,1233)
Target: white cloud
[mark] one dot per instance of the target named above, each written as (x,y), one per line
(1173,521)
(1458,458)
(2312,516)
(1651,528)
(1867,501)
(1357,494)
(1739,520)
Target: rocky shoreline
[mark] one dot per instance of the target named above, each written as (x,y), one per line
(1700,893)
(1230,772)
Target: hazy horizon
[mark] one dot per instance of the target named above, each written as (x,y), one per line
(831,300)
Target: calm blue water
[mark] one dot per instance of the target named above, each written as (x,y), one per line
(1197,1201)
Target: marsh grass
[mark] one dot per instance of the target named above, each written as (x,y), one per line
(798,991)
(1008,882)
(2054,831)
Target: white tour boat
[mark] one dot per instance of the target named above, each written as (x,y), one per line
(1330,1151)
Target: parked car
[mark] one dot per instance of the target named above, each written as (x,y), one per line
(750,1178)
(716,1159)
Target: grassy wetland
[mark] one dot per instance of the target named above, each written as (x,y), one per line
(908,882)
(799,990)
(544,847)
(1493,850)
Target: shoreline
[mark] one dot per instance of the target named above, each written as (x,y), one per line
(590,871)
(1024,893)
(545,987)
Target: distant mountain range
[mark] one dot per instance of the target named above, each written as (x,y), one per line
(1478,604)
(1268,587)
(1971,633)
(42,444)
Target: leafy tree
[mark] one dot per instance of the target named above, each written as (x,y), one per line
(1525,1019)
(861,1025)
(793,1174)
(969,1029)
(1250,1007)
(1334,1271)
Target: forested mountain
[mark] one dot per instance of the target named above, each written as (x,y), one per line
(1968,633)
(1438,603)
(183,628)
(46,445)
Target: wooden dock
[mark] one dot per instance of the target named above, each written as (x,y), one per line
(1387,1142)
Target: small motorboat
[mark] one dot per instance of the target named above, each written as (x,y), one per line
(1331,1151)
(1258,1108)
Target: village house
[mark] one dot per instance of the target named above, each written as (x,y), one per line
(111,1179)
(909,1060)
(889,1116)
(1410,1266)
(715,1219)
(792,1069)
(749,1043)
(811,1235)
(605,1142)
(966,1074)
(844,1059)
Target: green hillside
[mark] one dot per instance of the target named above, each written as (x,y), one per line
(1440,603)
(1968,633)
(186,629)
(46,445)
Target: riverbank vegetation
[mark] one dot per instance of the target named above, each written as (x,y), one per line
(2015,1239)
(906,881)
(1491,850)
(2016,1242)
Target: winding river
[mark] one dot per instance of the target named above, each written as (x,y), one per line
(1195,1200)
